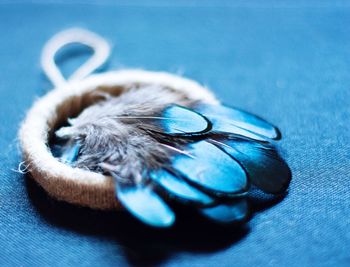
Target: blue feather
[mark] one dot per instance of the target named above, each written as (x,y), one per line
(265,168)
(179,188)
(70,152)
(181,121)
(230,212)
(231,120)
(212,170)
(145,205)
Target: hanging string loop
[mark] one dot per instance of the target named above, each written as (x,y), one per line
(101,51)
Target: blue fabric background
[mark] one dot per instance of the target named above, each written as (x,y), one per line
(286,61)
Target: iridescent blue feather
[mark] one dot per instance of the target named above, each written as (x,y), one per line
(205,156)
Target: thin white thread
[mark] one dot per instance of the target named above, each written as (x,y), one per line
(22,168)
(99,45)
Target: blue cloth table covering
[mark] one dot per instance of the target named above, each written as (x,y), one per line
(287,62)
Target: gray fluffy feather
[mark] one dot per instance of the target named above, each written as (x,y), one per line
(115,136)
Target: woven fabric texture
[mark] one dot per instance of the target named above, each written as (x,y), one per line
(288,62)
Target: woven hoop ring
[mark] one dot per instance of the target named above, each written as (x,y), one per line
(74,185)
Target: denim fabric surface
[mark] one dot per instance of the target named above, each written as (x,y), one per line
(288,62)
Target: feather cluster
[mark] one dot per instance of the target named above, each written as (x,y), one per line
(160,146)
